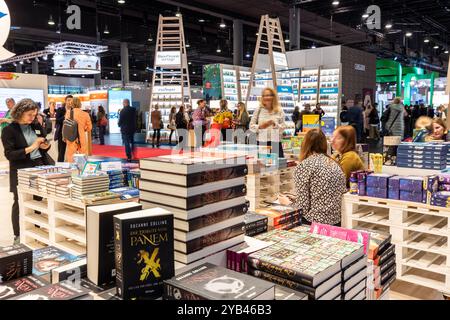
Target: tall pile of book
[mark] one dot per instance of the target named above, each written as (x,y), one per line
(281,217)
(206,193)
(322,267)
(116,179)
(83,186)
(382,264)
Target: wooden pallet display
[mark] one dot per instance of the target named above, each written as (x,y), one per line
(61,222)
(420,232)
(265,185)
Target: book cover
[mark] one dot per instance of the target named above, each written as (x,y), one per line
(14,288)
(144,253)
(385,255)
(254,220)
(256,231)
(74,270)
(278,215)
(356,236)
(282,293)
(100,240)
(60,291)
(15,262)
(379,241)
(210,239)
(212,282)
(49,258)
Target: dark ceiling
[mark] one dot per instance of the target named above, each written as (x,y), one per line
(322,24)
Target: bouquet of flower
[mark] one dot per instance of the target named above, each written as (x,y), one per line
(224,119)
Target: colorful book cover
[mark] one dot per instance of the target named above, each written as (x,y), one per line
(357,236)
(13,288)
(49,258)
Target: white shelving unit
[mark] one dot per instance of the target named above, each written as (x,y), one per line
(330,91)
(309,84)
(420,232)
(61,222)
(265,185)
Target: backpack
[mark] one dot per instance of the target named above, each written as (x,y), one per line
(70,128)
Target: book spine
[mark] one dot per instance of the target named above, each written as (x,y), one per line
(216,217)
(172,292)
(213,238)
(229,260)
(277,221)
(387,275)
(311,292)
(280,271)
(118,234)
(254,232)
(386,255)
(214,196)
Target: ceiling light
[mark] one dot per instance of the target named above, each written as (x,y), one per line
(119,65)
(37,59)
(106,31)
(446,51)
(436,47)
(426,40)
(82,52)
(193,72)
(201,20)
(188,45)
(189,63)
(121,1)
(106,78)
(83,76)
(112,72)
(178,14)
(257,34)
(335,3)
(287,40)
(223,24)
(28,61)
(219,50)
(408,34)
(150,38)
(365,15)
(388,25)
(26,71)
(15,64)
(135,74)
(21,62)
(248,55)
(51,22)
(313,46)
(45,58)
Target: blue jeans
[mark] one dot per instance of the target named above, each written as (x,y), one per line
(128,141)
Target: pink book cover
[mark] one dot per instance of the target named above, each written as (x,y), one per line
(342,233)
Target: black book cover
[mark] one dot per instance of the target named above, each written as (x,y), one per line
(213,238)
(101,263)
(96,289)
(256,231)
(216,217)
(15,262)
(282,293)
(386,275)
(144,255)
(13,288)
(212,282)
(60,291)
(385,256)
(385,266)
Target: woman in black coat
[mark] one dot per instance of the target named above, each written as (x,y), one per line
(25,147)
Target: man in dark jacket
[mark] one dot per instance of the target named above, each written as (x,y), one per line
(60,116)
(127,124)
(356,119)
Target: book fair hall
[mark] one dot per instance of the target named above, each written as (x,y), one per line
(224,150)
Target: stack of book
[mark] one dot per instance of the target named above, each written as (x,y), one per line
(237,256)
(15,262)
(126,193)
(28,178)
(59,187)
(255,224)
(211,282)
(381,263)
(422,156)
(281,217)
(90,184)
(101,198)
(132,178)
(206,194)
(116,179)
(47,182)
(310,263)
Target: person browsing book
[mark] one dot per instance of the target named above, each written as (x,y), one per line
(80,145)
(343,142)
(25,147)
(319,182)
(268,122)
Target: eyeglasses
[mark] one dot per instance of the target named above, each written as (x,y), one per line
(268,95)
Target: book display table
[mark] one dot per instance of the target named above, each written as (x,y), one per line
(54,221)
(420,232)
(265,185)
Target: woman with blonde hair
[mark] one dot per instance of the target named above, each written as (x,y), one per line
(80,145)
(438,131)
(268,122)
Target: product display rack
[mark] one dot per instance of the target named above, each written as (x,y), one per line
(419,231)
(264,186)
(309,84)
(330,91)
(61,222)
(170,84)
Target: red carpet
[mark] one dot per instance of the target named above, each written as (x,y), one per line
(119,152)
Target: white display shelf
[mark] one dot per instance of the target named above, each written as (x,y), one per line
(419,231)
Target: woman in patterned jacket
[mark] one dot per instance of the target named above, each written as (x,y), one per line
(319,182)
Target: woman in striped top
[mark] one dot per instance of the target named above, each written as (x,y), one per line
(268,122)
